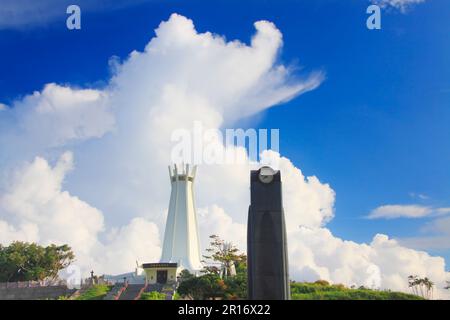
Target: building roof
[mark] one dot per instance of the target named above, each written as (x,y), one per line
(159,265)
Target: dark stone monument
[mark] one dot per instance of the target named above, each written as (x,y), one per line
(268,274)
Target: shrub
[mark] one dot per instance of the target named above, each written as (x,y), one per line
(154,295)
(322,282)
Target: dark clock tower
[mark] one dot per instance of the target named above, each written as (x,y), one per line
(268,274)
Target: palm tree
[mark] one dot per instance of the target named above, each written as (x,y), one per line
(429,287)
(421,286)
(413,284)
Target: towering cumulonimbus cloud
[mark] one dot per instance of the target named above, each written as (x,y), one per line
(87,167)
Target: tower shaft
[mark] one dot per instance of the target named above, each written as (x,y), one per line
(181,239)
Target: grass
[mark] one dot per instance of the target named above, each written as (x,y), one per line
(97,292)
(154,295)
(321,290)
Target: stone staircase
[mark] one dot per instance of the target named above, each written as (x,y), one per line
(132,292)
(116,291)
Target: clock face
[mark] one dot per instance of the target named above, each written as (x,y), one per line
(266,174)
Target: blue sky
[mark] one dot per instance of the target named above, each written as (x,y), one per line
(377,130)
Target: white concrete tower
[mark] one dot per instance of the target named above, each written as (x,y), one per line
(181,239)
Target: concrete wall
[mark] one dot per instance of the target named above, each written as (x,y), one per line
(38,293)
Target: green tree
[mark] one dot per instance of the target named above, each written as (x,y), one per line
(208,286)
(236,287)
(222,256)
(185,275)
(322,283)
(21,261)
(211,285)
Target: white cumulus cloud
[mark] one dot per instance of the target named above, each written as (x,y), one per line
(400,211)
(36,208)
(394,211)
(401,5)
(60,114)
(436,235)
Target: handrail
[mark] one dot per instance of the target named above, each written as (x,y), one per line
(119,293)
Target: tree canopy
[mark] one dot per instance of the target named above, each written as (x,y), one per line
(214,283)
(222,256)
(21,261)
(422,287)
